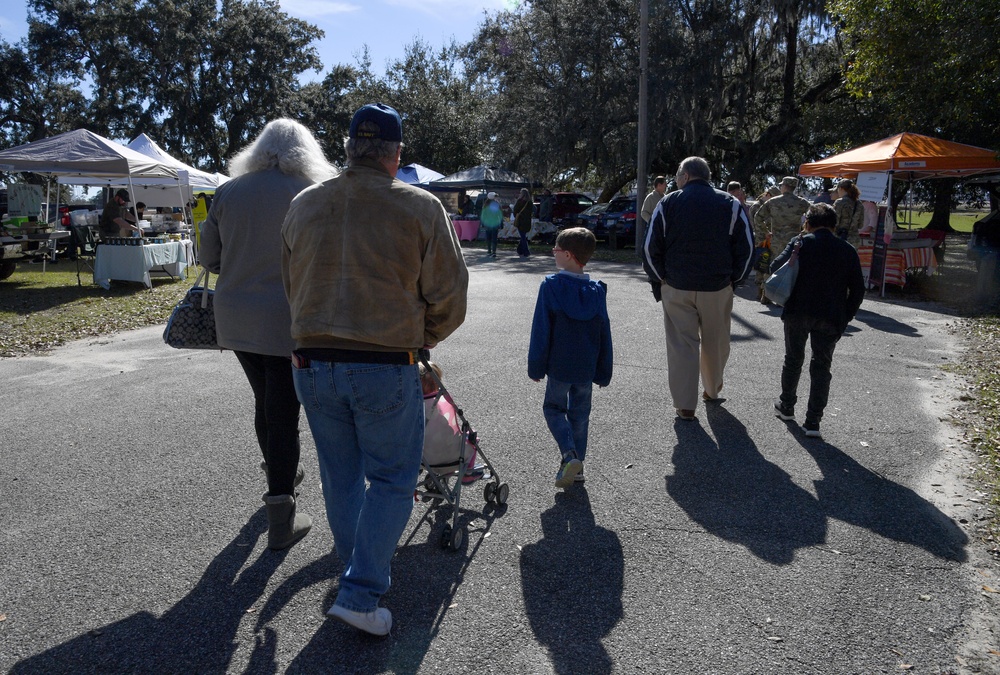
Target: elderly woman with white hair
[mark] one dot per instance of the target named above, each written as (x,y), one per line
(241,242)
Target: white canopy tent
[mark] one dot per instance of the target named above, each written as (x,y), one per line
(80,157)
(154,191)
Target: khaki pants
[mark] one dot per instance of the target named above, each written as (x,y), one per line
(697,325)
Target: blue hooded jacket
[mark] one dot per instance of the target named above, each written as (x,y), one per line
(571,332)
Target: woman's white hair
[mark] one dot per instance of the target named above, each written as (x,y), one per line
(285,145)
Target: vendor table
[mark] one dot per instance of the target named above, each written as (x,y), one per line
(134,263)
(467,230)
(914,254)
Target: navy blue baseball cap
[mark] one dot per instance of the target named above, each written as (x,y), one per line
(390,126)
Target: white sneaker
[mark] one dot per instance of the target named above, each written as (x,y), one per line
(376,622)
(567,472)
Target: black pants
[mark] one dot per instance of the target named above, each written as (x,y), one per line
(276,417)
(823,335)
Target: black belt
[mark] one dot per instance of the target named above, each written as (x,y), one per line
(301,357)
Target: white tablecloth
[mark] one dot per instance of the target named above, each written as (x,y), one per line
(134,263)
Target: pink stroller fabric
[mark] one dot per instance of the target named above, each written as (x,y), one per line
(443,436)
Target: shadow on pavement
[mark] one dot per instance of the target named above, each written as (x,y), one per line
(854,494)
(573,579)
(196,635)
(728,488)
(425,579)
(885,324)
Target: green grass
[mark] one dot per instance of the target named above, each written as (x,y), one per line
(960,221)
(41,310)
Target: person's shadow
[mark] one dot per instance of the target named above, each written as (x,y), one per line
(854,494)
(728,488)
(573,580)
(425,580)
(197,635)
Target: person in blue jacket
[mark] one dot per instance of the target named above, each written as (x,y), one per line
(571,346)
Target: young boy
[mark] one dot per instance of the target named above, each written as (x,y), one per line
(571,345)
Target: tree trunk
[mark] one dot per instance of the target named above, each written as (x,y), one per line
(943,189)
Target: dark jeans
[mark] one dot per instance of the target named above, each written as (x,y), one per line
(276,417)
(522,244)
(823,335)
(491,239)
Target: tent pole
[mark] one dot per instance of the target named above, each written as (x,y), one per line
(131,193)
(888,214)
(180,193)
(48,197)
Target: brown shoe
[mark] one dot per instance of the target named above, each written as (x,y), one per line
(686,415)
(708,399)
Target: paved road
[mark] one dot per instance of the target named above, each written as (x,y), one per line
(132,534)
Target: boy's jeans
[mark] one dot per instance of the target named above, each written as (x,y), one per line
(368,422)
(567,412)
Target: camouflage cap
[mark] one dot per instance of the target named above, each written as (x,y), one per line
(790,181)
(774,191)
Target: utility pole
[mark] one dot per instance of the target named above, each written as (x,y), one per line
(642,164)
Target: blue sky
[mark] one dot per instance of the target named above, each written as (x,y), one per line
(385,26)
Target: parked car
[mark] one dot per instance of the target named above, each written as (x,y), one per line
(617,223)
(565,204)
(587,218)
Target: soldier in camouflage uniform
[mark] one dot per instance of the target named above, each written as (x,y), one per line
(782,217)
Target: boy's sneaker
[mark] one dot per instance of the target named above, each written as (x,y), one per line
(812,429)
(783,411)
(580,478)
(376,622)
(567,472)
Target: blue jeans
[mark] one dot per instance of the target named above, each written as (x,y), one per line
(491,239)
(522,244)
(368,423)
(567,412)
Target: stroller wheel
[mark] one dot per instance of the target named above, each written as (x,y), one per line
(457,537)
(446,536)
(502,492)
(489,491)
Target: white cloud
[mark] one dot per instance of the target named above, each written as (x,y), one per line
(312,9)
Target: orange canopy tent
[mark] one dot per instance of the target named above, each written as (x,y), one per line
(909,157)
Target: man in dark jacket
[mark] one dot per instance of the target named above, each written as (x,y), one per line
(827,295)
(697,249)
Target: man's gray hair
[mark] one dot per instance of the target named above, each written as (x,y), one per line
(695,167)
(287,146)
(374,149)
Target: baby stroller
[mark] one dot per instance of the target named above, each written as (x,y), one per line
(449,445)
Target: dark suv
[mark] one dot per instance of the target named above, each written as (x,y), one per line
(565,204)
(617,223)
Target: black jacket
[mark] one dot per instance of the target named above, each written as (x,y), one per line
(830,284)
(698,240)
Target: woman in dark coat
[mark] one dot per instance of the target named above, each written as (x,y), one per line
(522,221)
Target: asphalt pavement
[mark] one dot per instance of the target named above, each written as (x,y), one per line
(133,536)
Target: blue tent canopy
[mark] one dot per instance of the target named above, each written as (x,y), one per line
(415,174)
